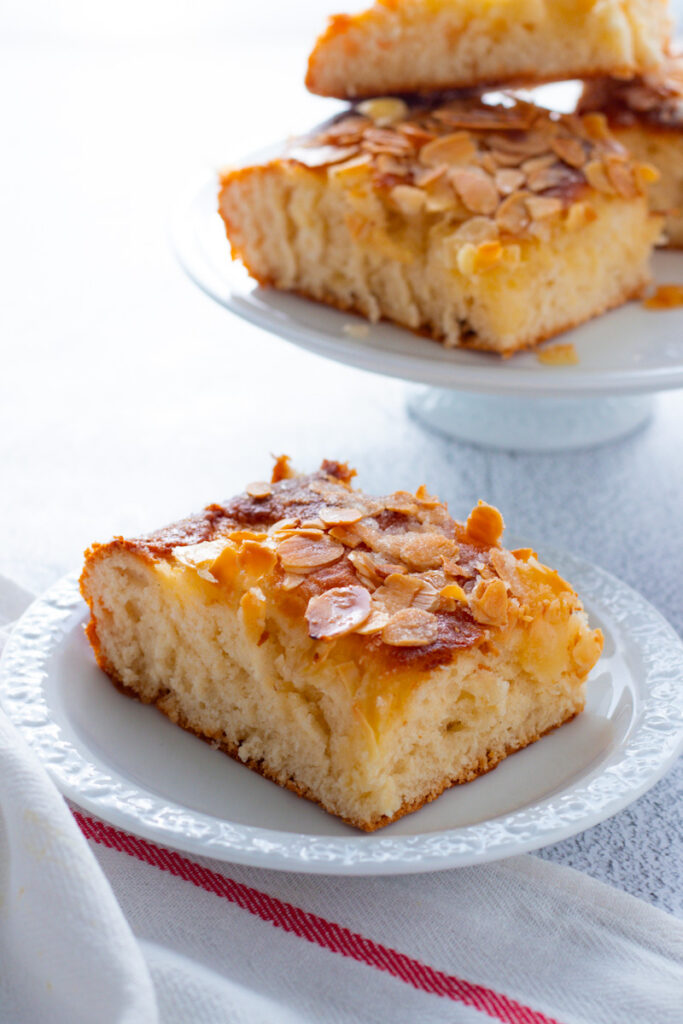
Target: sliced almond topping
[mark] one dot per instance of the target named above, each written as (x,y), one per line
(538,163)
(646,175)
(411,627)
(337,612)
(620,174)
(300,552)
(454,592)
(508,180)
(426,550)
(579,215)
(427,597)
(397,591)
(346,535)
(485,525)
(507,159)
(570,150)
(596,127)
(383,110)
(321,156)
(409,199)
(425,178)
(512,215)
(365,566)
(457,148)
(476,189)
(549,177)
(282,470)
(596,176)
(488,602)
(340,516)
(290,580)
(351,171)
(477,230)
(376,621)
(401,501)
(542,207)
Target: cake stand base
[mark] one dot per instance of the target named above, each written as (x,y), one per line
(529,424)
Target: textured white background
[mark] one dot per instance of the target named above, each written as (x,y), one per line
(127,398)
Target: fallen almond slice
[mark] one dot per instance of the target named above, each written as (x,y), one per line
(411,627)
(667,296)
(340,516)
(301,552)
(337,612)
(259,489)
(562,354)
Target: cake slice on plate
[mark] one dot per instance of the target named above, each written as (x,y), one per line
(366,653)
(488,226)
(405,46)
(646,115)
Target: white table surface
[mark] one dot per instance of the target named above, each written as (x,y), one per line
(127,398)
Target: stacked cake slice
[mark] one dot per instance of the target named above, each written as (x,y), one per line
(492,225)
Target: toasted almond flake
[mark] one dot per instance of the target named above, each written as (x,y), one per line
(358,331)
(579,215)
(337,612)
(302,552)
(454,568)
(441,197)
(488,602)
(397,591)
(596,176)
(596,127)
(620,174)
(538,163)
(282,470)
(425,178)
(549,177)
(508,180)
(258,489)
(454,592)
(426,499)
(321,156)
(427,597)
(485,525)
(561,354)
(524,554)
(411,627)
(376,621)
(365,566)
(291,580)
(425,550)
(457,148)
(570,150)
(477,230)
(346,536)
(351,171)
(401,501)
(667,296)
(542,207)
(507,159)
(409,199)
(384,110)
(646,175)
(476,189)
(315,523)
(512,215)
(343,516)
(201,557)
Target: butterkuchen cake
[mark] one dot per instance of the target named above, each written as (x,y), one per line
(646,115)
(491,226)
(366,653)
(405,46)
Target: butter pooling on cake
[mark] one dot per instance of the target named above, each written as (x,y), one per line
(493,226)
(366,653)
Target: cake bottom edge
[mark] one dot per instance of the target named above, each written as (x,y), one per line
(479,766)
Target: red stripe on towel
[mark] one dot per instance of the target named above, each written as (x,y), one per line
(318,930)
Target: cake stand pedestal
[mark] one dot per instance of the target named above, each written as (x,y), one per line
(527,423)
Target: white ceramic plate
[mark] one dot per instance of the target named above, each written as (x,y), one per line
(627,351)
(128,764)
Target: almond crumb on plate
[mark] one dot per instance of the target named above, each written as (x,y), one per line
(666,296)
(558,355)
(356,330)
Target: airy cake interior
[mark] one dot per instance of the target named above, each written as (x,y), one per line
(368,684)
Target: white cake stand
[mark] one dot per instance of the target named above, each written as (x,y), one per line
(625,357)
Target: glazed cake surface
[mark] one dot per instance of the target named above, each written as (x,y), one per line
(366,653)
(646,115)
(492,226)
(405,46)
